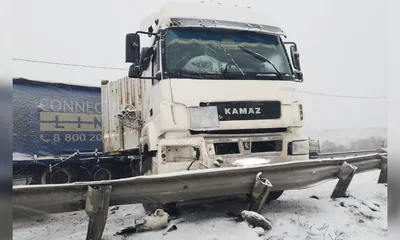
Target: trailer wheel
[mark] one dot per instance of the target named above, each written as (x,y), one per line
(101,173)
(58,176)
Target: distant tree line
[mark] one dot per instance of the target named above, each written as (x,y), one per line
(361,144)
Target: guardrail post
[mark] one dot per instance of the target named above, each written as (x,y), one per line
(262,188)
(383,167)
(345,175)
(97,202)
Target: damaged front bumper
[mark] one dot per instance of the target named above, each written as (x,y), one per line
(201,152)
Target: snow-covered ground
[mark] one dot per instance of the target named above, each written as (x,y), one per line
(302,214)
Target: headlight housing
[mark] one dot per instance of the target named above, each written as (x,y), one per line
(301,112)
(203,117)
(300,147)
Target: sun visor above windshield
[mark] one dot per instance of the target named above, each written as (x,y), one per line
(207,23)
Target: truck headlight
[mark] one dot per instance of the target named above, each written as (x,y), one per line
(300,147)
(204,117)
(301,112)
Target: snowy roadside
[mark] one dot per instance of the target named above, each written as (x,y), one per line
(296,215)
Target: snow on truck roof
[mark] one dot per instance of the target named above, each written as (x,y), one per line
(205,14)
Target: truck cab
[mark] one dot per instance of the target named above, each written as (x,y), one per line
(217,88)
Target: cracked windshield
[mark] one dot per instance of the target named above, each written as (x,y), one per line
(223,53)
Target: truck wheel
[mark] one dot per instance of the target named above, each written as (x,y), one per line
(274,195)
(146,166)
(271,197)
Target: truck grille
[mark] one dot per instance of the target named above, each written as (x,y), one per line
(226,148)
(255,147)
(267,146)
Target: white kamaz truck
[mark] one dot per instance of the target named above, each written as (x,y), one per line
(209,86)
(315,148)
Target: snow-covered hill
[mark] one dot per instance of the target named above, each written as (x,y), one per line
(302,214)
(345,135)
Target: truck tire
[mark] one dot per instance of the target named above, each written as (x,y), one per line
(274,195)
(141,167)
(147,164)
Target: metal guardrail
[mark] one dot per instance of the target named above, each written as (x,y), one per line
(195,184)
(188,185)
(348,153)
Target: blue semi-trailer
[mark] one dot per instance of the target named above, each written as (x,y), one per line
(57,134)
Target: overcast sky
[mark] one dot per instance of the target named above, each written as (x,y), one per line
(341,44)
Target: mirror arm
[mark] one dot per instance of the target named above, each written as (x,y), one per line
(148,34)
(291,43)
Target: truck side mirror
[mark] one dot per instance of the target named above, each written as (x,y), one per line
(132,48)
(296,61)
(295,57)
(134,71)
(298,75)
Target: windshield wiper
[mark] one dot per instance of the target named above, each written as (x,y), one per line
(261,58)
(231,59)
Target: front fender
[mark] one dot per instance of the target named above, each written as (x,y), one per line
(149,136)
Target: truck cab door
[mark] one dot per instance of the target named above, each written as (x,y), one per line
(153,94)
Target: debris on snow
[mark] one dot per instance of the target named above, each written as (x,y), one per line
(315,197)
(155,221)
(376,204)
(256,220)
(260,231)
(173,227)
(115,208)
(235,216)
(295,216)
(127,230)
(373,207)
